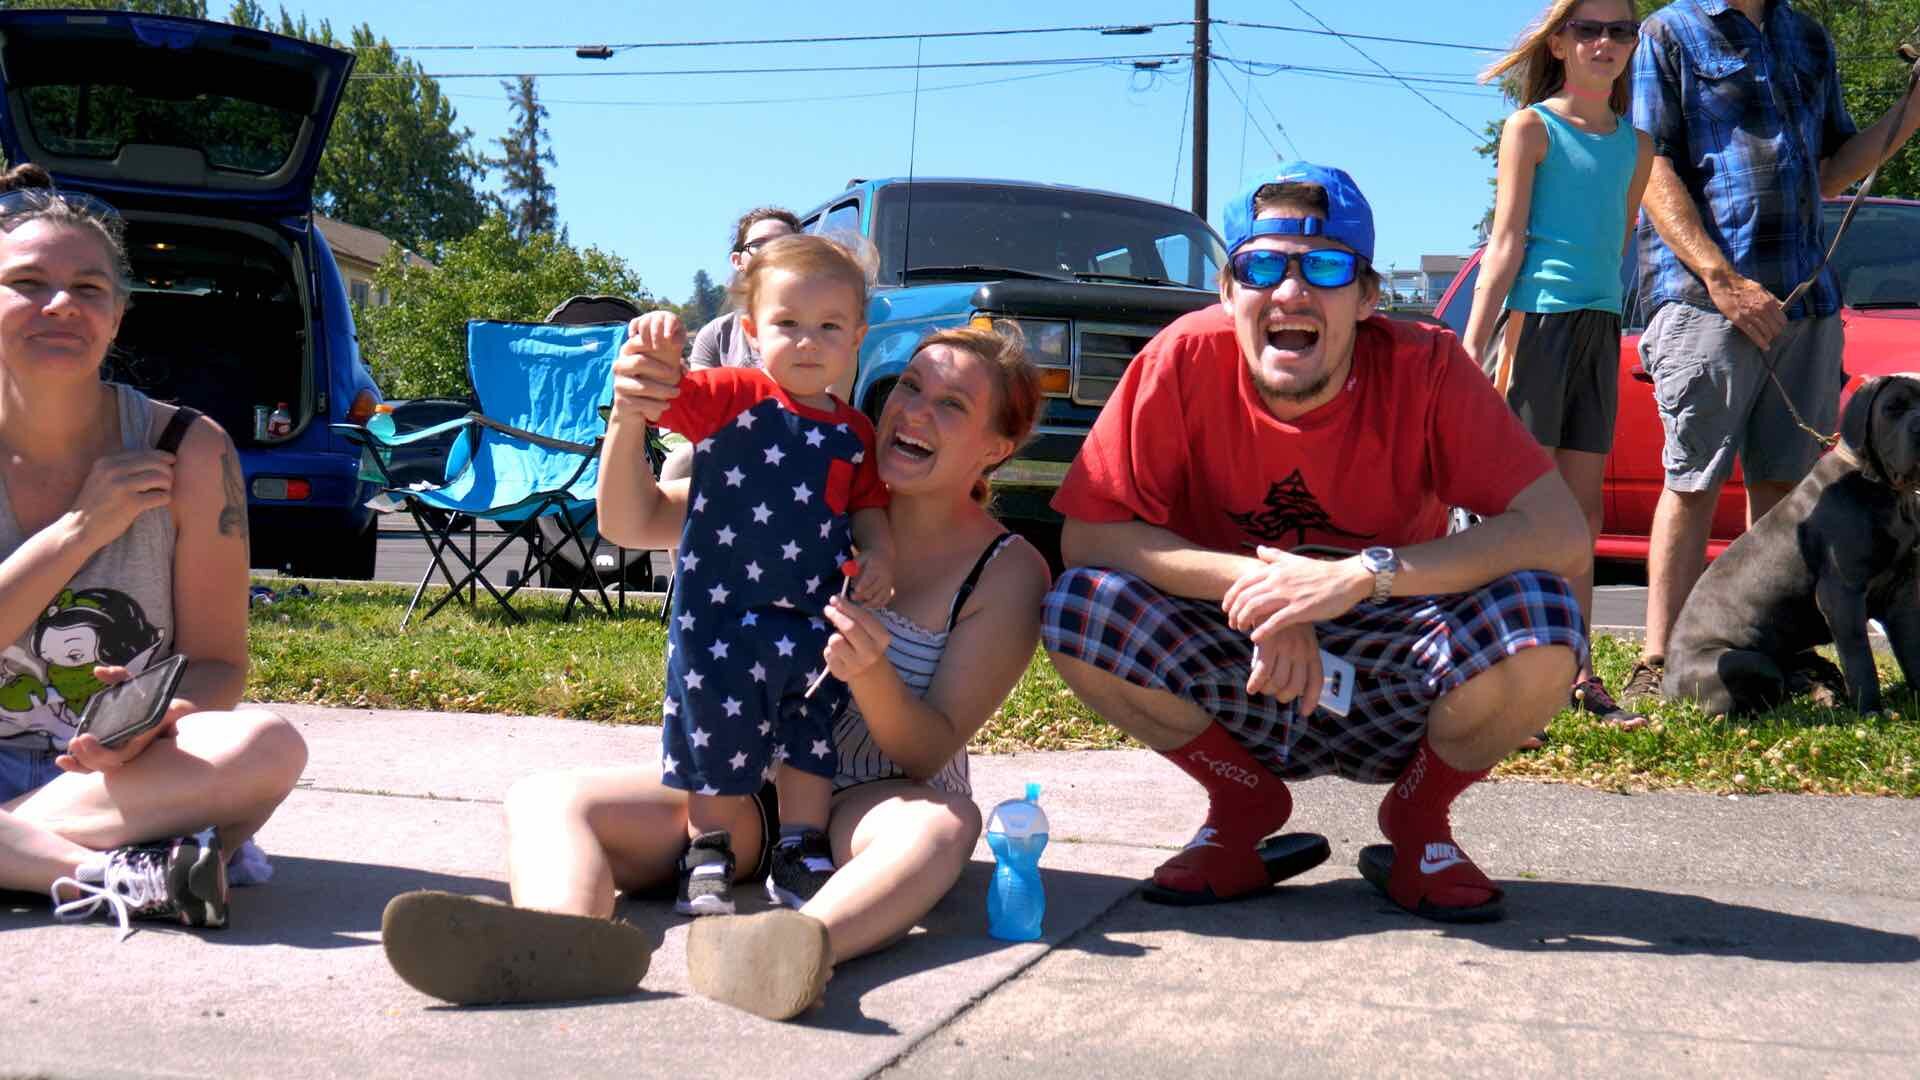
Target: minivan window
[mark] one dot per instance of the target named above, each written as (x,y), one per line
(96,120)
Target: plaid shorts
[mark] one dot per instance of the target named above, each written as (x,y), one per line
(1407,653)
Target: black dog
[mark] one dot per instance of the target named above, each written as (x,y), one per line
(1838,550)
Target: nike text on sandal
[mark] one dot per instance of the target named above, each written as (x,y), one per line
(1446,867)
(1284,856)
(473,951)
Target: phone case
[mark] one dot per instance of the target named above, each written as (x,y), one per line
(124,710)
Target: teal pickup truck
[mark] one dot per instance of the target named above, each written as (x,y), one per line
(1088,275)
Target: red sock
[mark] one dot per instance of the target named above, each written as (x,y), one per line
(1245,801)
(1414,817)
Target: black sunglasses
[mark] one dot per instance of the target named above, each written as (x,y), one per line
(1622,32)
(752,247)
(1323,268)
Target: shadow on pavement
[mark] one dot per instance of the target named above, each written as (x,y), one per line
(1541,917)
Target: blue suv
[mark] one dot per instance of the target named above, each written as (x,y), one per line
(206,137)
(1090,276)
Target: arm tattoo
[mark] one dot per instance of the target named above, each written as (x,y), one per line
(233,516)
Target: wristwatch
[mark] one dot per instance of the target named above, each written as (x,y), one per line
(1382,563)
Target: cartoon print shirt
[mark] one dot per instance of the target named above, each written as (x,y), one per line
(1187,444)
(774,485)
(117,610)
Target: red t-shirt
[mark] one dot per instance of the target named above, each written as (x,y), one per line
(1186,443)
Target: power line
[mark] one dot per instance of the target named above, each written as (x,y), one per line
(832,39)
(1264,68)
(1326,31)
(809,69)
(1261,98)
(1411,89)
(798,100)
(1248,109)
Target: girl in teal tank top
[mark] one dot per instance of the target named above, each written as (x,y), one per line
(1545,320)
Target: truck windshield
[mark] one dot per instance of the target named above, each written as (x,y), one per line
(1048,232)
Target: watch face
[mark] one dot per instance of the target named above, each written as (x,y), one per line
(1377,558)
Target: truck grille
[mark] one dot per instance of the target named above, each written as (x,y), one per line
(1101,353)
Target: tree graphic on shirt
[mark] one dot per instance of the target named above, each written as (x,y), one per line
(1290,508)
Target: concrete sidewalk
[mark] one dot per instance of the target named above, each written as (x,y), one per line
(1683,934)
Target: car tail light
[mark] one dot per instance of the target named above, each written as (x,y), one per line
(363,405)
(281,489)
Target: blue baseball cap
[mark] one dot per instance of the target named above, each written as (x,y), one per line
(1349,219)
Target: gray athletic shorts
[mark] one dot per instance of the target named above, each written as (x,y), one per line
(1563,381)
(1715,399)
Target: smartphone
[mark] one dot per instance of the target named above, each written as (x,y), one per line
(125,709)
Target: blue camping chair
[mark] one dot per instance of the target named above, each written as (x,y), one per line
(533,453)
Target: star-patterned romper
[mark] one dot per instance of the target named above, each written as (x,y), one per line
(768,523)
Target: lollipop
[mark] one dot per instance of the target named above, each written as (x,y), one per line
(849,569)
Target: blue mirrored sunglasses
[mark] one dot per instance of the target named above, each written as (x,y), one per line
(1325,268)
(26,201)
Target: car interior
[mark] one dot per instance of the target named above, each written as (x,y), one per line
(216,321)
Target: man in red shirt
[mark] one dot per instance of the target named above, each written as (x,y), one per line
(1293,417)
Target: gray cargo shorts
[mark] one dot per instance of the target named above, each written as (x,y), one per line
(1715,399)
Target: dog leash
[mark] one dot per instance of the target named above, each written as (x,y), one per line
(1908,51)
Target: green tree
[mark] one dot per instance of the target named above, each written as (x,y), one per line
(416,345)
(525,152)
(706,303)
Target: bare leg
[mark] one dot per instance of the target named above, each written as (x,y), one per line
(900,846)
(1585,473)
(1155,717)
(32,857)
(226,769)
(575,837)
(805,799)
(1677,553)
(1478,723)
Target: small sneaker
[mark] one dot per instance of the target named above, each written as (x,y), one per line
(1643,685)
(183,880)
(800,867)
(706,876)
(1591,694)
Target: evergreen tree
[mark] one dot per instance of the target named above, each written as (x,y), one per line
(707,302)
(525,152)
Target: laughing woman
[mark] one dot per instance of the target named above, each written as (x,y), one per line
(925,674)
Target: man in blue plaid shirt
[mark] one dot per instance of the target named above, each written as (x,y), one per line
(1743,102)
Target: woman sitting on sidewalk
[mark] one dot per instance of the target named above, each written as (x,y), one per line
(957,636)
(123,541)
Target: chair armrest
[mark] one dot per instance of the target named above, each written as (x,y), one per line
(536,438)
(356,434)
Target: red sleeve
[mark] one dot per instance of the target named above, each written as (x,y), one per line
(1133,461)
(868,492)
(710,397)
(1482,455)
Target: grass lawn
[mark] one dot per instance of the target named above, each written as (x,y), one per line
(344,647)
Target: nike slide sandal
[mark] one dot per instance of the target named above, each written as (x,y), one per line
(1376,865)
(1285,856)
(469,950)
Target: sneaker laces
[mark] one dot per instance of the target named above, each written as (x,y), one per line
(133,885)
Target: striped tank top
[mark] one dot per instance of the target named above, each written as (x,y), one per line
(915,654)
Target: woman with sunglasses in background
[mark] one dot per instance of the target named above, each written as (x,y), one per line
(123,541)
(1545,322)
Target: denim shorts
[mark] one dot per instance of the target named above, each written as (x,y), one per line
(23,770)
(1716,400)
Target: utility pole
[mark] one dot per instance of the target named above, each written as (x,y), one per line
(1202,69)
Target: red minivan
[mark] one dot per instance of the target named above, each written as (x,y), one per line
(1878,267)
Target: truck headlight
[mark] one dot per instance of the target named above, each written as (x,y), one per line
(1049,346)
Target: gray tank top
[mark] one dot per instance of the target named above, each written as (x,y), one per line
(117,610)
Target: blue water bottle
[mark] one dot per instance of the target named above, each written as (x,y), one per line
(1017,833)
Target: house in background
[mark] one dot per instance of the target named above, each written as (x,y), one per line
(1420,290)
(360,252)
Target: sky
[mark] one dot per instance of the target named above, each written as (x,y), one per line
(656,167)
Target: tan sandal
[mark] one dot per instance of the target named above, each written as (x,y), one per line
(773,964)
(470,950)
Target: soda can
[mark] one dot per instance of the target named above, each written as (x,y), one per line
(261,414)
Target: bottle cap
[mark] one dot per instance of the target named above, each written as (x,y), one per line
(1019,818)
